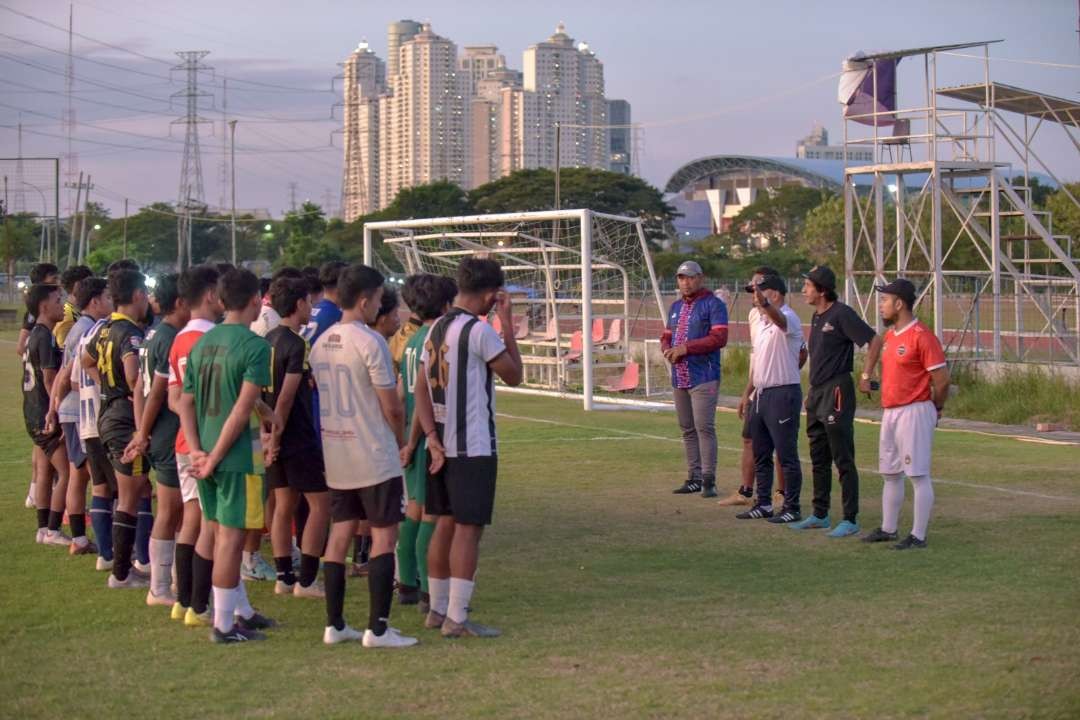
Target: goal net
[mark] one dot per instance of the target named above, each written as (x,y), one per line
(586,300)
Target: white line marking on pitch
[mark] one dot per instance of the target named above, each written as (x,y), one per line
(631,433)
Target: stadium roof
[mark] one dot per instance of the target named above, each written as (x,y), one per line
(826,174)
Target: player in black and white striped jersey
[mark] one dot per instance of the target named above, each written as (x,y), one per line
(455,397)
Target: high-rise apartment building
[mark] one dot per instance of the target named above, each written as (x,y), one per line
(396,34)
(365,82)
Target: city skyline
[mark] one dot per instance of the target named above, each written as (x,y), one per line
(696,87)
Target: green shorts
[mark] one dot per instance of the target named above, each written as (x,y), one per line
(416,475)
(233,499)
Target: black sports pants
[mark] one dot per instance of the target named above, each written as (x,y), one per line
(830,427)
(774,425)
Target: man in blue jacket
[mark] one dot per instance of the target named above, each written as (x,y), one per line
(697,327)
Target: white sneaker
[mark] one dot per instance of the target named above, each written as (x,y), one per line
(314,590)
(40,537)
(55,537)
(132,581)
(103,564)
(141,568)
(168,599)
(332,636)
(392,638)
(258,569)
(284,588)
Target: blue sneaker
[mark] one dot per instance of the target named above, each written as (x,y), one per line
(844,529)
(811,523)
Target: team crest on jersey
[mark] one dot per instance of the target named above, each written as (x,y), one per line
(901,351)
(827,327)
(136,342)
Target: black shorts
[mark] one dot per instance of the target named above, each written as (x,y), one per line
(48,442)
(101,470)
(746,423)
(381,505)
(163,461)
(465,489)
(303,472)
(116,427)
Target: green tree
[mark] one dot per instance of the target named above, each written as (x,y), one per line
(777,216)
(1065,213)
(822,237)
(17,242)
(438,199)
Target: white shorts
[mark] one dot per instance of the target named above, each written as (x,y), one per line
(907,436)
(189,486)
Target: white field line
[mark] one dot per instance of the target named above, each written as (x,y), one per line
(627,434)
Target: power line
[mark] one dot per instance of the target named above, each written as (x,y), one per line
(83,58)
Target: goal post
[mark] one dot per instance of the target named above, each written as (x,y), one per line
(583,284)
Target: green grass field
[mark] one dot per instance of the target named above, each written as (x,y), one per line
(617,599)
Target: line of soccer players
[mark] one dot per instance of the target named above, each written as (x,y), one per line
(228,389)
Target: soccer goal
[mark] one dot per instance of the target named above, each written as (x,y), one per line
(583,286)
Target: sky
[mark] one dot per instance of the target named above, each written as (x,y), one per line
(703,77)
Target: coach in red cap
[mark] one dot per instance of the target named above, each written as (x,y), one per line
(914,386)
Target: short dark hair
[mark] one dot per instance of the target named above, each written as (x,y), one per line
(389,302)
(39,293)
(286,293)
(479,274)
(430,294)
(288,272)
(356,281)
(330,273)
(73,275)
(765,270)
(196,281)
(237,287)
(122,264)
(88,289)
(830,295)
(167,292)
(123,285)
(224,267)
(408,292)
(40,271)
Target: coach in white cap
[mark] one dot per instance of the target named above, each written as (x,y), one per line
(697,328)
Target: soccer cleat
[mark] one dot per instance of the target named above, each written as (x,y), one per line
(708,487)
(178,611)
(735,499)
(194,619)
(434,620)
(257,621)
(358,570)
(844,529)
(332,636)
(879,535)
(236,635)
(55,537)
(451,629)
(283,588)
(392,638)
(787,516)
(167,600)
(408,595)
(314,590)
(690,487)
(86,548)
(812,523)
(103,565)
(909,542)
(257,569)
(756,513)
(40,537)
(131,581)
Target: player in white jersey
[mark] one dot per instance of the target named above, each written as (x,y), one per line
(362,431)
(455,405)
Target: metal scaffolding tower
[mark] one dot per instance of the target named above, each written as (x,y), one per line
(959,218)
(191,199)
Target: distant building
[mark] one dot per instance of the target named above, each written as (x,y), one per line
(365,82)
(620,139)
(815,146)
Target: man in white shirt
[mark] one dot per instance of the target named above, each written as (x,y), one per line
(362,432)
(455,405)
(777,400)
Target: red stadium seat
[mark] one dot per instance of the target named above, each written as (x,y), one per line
(576,347)
(614,336)
(522,330)
(626,383)
(552,330)
(598,330)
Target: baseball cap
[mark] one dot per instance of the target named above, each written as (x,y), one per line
(689,269)
(823,276)
(901,288)
(769,282)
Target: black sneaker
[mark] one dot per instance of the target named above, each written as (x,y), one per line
(879,535)
(787,516)
(708,487)
(689,487)
(236,635)
(909,542)
(756,513)
(255,622)
(407,595)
